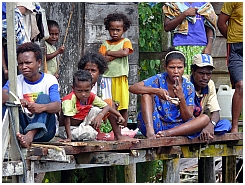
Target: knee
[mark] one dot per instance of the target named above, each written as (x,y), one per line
(204,119)
(146,98)
(239,87)
(43,99)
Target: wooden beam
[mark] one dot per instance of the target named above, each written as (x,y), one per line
(12,67)
(5,134)
(93,146)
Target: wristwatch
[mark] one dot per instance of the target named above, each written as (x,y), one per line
(214,123)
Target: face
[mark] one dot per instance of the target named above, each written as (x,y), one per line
(202,76)
(94,71)
(28,66)
(54,34)
(82,90)
(116,30)
(175,69)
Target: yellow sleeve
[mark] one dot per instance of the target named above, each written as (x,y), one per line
(102,50)
(128,44)
(69,107)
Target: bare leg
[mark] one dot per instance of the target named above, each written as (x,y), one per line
(124,113)
(237,101)
(117,131)
(26,140)
(116,128)
(147,105)
(61,119)
(189,127)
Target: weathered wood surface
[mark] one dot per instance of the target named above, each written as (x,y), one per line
(93,146)
(5,134)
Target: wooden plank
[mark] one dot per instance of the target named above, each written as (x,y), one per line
(146,143)
(11,168)
(229,169)
(5,133)
(130,173)
(171,171)
(206,170)
(211,150)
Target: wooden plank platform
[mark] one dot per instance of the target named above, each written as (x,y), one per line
(72,148)
(56,156)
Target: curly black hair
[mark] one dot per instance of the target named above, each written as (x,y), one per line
(117,17)
(95,58)
(82,76)
(30,46)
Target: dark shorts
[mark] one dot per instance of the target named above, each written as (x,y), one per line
(235,62)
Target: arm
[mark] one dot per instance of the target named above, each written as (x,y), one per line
(209,34)
(54,54)
(67,120)
(52,107)
(118,54)
(186,112)
(5,96)
(98,119)
(4,66)
(120,119)
(139,88)
(170,25)
(222,26)
(208,131)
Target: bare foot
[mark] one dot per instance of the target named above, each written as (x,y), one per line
(234,130)
(127,138)
(25,140)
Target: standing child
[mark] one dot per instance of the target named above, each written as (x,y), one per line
(82,110)
(52,52)
(114,82)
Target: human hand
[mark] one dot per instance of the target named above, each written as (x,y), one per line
(34,107)
(5,71)
(65,140)
(177,89)
(207,50)
(61,49)
(109,58)
(24,102)
(56,75)
(97,121)
(207,133)
(163,94)
(190,11)
(120,120)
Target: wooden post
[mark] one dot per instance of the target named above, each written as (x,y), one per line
(228,169)
(110,174)
(130,173)
(12,67)
(171,171)
(206,170)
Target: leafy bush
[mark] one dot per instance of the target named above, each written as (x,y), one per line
(150,36)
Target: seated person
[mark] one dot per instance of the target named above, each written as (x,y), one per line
(39,96)
(206,101)
(95,63)
(160,116)
(82,111)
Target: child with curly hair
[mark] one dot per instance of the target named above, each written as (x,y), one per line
(114,82)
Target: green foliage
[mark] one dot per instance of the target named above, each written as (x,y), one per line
(106,127)
(150,37)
